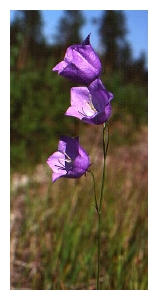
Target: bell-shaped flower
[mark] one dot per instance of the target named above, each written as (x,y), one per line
(81,64)
(70,161)
(90,104)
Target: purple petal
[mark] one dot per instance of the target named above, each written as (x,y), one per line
(81,64)
(87,40)
(100,95)
(69,146)
(70,161)
(55,176)
(80,98)
(85,163)
(100,118)
(57,163)
(81,164)
(62,145)
(90,104)
(72,112)
(60,66)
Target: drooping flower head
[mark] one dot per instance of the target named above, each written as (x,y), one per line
(70,161)
(90,104)
(81,64)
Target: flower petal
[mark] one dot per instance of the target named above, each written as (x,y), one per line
(99,118)
(80,103)
(73,112)
(57,163)
(69,146)
(70,161)
(81,64)
(55,176)
(90,104)
(100,95)
(60,67)
(80,165)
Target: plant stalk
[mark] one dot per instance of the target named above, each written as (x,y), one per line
(105,148)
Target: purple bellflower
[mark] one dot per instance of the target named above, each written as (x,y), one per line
(90,104)
(70,161)
(81,64)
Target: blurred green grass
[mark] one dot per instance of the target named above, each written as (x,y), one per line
(54,226)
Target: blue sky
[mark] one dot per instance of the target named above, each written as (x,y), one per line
(136,21)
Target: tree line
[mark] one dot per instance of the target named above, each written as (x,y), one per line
(29,44)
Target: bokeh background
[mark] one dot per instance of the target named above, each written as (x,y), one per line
(54,226)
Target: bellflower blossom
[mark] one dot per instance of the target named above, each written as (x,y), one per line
(81,64)
(90,104)
(70,161)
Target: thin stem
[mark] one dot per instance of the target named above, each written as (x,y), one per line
(95,195)
(98,271)
(105,148)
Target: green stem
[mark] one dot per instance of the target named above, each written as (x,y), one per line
(95,195)
(105,148)
(98,271)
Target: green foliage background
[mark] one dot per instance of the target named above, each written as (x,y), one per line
(39,99)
